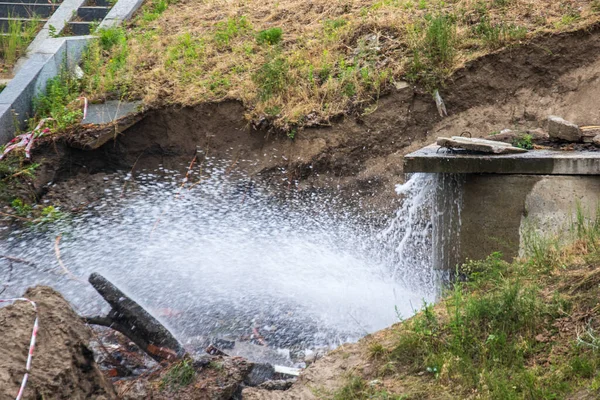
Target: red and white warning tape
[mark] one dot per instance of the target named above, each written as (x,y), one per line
(31,344)
(26,139)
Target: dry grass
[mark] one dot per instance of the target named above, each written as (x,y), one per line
(334,56)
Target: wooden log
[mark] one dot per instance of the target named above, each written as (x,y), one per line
(132,320)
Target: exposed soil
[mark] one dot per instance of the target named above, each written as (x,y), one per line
(359,154)
(63,365)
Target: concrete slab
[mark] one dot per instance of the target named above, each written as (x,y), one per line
(100,114)
(123,10)
(545,162)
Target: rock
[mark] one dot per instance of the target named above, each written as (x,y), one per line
(596,140)
(588,135)
(277,384)
(560,129)
(63,365)
(479,145)
(259,373)
(538,134)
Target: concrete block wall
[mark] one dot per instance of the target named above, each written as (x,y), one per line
(497,210)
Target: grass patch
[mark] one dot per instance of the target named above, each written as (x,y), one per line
(59,101)
(269,36)
(501,322)
(358,389)
(179,375)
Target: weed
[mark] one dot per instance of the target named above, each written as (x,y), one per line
(272,77)
(17,37)
(440,40)
(49,214)
(21,208)
(376,350)
(524,142)
(179,375)
(497,35)
(154,10)
(228,30)
(58,101)
(269,36)
(110,37)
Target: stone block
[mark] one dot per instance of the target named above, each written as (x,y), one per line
(479,145)
(560,129)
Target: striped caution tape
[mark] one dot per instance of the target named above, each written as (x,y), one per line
(31,344)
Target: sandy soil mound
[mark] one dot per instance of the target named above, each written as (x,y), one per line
(63,366)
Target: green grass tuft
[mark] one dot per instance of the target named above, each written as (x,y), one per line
(269,36)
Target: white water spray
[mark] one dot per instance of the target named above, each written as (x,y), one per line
(223,257)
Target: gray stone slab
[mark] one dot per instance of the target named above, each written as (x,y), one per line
(436,159)
(124,9)
(479,145)
(100,114)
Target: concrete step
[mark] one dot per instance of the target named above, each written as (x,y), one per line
(77,28)
(5,22)
(27,10)
(88,13)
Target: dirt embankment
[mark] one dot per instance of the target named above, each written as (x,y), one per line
(63,365)
(360,153)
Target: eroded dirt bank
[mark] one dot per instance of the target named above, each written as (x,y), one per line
(359,153)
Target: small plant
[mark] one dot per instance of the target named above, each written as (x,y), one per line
(49,214)
(376,350)
(440,40)
(109,37)
(524,142)
(53,32)
(59,101)
(21,208)
(17,37)
(179,375)
(154,10)
(269,36)
(496,35)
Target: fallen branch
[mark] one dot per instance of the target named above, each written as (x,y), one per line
(133,321)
